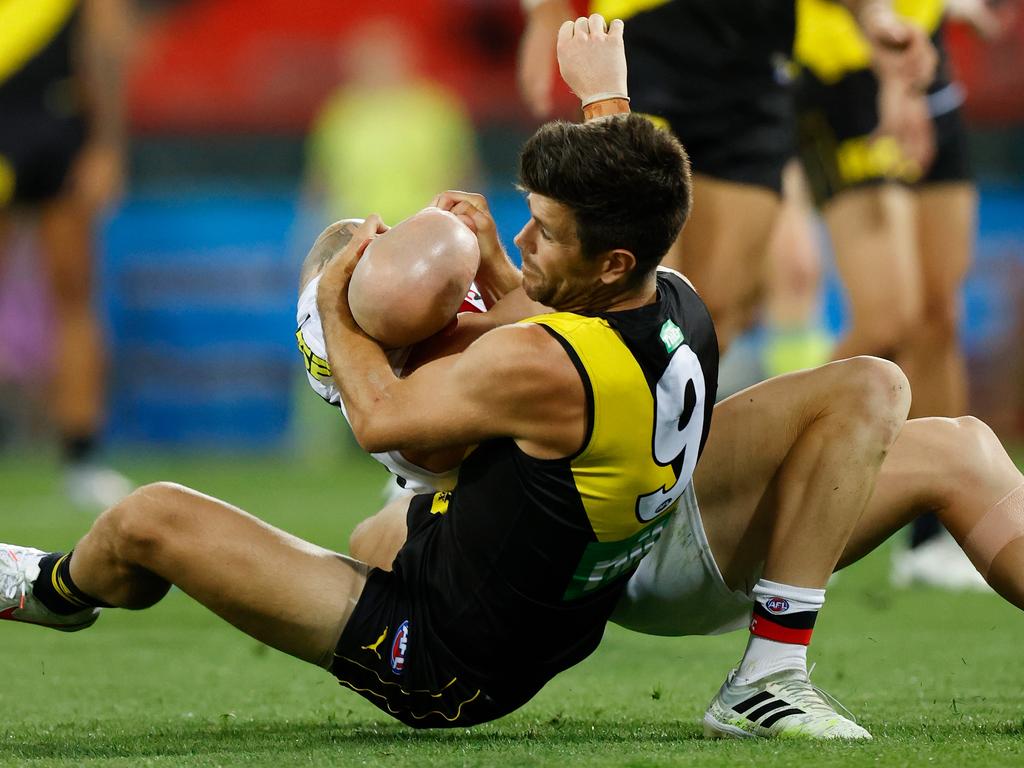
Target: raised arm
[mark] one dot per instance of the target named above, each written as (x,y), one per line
(98,173)
(535,64)
(592,62)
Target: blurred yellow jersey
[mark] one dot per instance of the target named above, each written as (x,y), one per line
(623,9)
(829,42)
(26,27)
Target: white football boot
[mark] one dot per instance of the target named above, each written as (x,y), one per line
(94,487)
(938,562)
(19,568)
(781,706)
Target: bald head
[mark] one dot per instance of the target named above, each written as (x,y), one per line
(413,278)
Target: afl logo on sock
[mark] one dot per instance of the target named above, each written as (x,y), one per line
(398,648)
(777,605)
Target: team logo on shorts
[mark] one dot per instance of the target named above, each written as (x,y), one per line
(777,605)
(398,647)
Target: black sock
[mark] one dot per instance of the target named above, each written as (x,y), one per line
(55,589)
(925,528)
(78,448)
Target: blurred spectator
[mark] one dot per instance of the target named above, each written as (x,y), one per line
(387,140)
(61,165)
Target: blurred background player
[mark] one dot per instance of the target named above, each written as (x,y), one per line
(902,230)
(387,139)
(716,74)
(61,163)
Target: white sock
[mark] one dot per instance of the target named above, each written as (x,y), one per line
(780,629)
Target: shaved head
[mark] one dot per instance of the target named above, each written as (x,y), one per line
(412,279)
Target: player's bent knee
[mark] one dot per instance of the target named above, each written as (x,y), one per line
(977,449)
(875,392)
(144,521)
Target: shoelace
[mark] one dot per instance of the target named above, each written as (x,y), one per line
(13,579)
(797,685)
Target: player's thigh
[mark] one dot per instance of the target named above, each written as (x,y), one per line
(751,434)
(946,221)
(282,590)
(874,241)
(724,243)
(377,540)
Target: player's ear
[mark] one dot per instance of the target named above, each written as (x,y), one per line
(616,265)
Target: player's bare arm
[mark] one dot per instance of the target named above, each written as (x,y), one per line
(515,381)
(535,60)
(98,174)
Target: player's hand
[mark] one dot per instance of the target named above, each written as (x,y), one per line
(472,210)
(332,293)
(903,114)
(535,64)
(592,57)
(900,50)
(987,22)
(496,275)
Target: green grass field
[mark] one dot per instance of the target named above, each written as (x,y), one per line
(936,677)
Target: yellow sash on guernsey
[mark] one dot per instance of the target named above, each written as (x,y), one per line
(623,9)
(829,42)
(616,463)
(26,26)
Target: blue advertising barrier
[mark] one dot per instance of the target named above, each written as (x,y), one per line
(201,299)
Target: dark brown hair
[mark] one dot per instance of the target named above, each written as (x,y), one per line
(626,182)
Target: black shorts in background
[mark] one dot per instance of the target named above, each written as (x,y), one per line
(36,153)
(836,143)
(716,72)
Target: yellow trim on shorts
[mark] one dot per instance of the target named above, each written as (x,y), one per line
(8,179)
(432,694)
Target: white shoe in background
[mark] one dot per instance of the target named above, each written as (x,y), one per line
(940,563)
(94,487)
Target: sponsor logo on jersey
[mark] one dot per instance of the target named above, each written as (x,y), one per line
(398,648)
(777,605)
(318,368)
(671,336)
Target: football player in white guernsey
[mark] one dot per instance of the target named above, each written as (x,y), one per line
(420,289)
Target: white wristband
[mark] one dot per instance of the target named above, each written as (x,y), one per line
(604,97)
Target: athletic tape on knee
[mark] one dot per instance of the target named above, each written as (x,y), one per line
(1003,523)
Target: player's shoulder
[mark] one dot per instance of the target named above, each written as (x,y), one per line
(524,357)
(670,275)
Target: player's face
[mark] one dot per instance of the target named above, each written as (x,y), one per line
(554,270)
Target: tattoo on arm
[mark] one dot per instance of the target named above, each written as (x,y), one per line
(331,241)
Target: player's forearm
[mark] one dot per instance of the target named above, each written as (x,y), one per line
(496,278)
(901,52)
(360,369)
(107,32)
